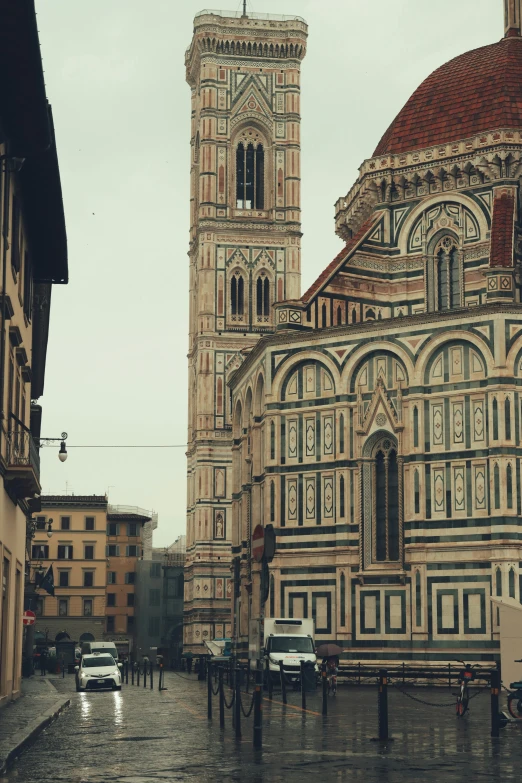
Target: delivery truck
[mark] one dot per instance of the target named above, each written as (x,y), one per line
(290,641)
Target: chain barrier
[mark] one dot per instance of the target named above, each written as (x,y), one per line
(182,676)
(435,704)
(227,705)
(249,713)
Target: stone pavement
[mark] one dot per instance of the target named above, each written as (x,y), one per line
(143,736)
(23,720)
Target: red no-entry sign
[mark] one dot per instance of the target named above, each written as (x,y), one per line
(258,544)
(28,617)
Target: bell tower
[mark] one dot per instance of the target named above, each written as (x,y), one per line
(512,17)
(245,235)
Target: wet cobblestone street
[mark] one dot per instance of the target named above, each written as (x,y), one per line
(140,735)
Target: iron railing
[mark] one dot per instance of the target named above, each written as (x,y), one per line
(22,450)
(239,14)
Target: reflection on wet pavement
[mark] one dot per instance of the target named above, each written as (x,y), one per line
(143,736)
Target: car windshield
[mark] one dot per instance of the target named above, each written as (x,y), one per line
(291,644)
(102,660)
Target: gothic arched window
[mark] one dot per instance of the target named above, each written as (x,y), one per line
(507,418)
(495,419)
(386,503)
(250,175)
(237,295)
(342,618)
(498,582)
(511,583)
(416,491)
(447,273)
(415,427)
(263,297)
(341,498)
(272,502)
(341,433)
(509,486)
(496,485)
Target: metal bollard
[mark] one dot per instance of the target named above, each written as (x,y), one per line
(138,672)
(495,691)
(237,706)
(126,672)
(283,682)
(209,692)
(221,700)
(145,674)
(303,686)
(383,704)
(132,673)
(325,689)
(151,671)
(258,711)
(160,678)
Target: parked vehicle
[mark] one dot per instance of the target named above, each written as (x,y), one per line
(101,647)
(98,671)
(290,641)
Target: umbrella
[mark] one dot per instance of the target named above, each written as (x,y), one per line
(329,650)
(187,655)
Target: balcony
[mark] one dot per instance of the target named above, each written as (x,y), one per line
(22,476)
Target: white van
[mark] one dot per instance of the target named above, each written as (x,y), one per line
(100,647)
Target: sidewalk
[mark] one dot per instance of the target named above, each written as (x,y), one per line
(22,721)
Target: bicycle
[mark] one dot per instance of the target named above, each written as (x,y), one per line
(332,684)
(514,702)
(461,706)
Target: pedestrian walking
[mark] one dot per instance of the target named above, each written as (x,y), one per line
(189,665)
(43,662)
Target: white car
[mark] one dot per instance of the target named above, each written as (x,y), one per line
(98,671)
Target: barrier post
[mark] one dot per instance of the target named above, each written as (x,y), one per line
(283,681)
(221,700)
(383,704)
(151,672)
(325,689)
(127,672)
(132,673)
(303,686)
(495,715)
(145,674)
(237,706)
(258,714)
(209,692)
(138,671)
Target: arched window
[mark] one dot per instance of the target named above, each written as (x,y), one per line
(416,491)
(354,316)
(342,588)
(323,313)
(272,502)
(386,500)
(370,315)
(339,316)
(495,419)
(415,427)
(341,497)
(237,296)
(509,486)
(496,484)
(507,418)
(511,583)
(447,272)
(263,297)
(341,433)
(418,599)
(272,440)
(498,582)
(250,174)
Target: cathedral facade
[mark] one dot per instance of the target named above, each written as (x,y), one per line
(378,429)
(244,75)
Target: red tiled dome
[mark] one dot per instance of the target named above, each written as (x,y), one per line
(476,92)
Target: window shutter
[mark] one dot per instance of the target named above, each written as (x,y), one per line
(117,550)
(107,551)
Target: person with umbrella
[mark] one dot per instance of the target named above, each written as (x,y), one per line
(330,654)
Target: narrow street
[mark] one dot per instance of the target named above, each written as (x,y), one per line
(140,735)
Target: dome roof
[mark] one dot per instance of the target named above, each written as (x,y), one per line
(476,92)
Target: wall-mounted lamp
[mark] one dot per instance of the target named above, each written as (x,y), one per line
(62,454)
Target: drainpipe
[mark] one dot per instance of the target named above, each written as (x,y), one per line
(4,161)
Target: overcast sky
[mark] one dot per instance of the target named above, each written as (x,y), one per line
(114,69)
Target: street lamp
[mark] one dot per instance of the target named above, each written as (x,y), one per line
(62,454)
(49,528)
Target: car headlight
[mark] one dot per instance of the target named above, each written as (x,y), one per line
(115,672)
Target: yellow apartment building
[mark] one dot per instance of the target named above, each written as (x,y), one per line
(33,257)
(128,533)
(76,551)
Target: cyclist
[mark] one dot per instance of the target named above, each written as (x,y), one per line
(466,674)
(332,670)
